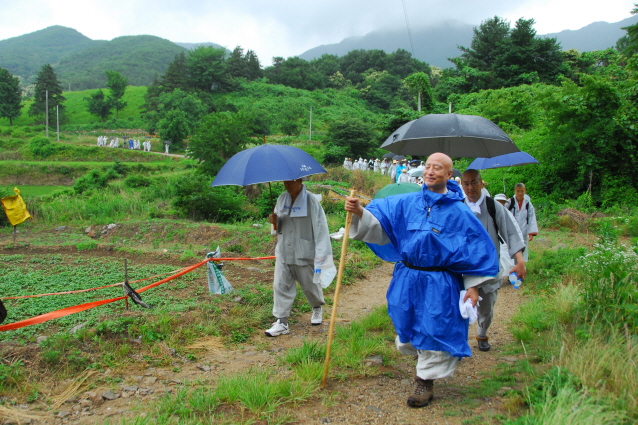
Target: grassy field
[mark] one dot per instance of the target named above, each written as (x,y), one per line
(76,109)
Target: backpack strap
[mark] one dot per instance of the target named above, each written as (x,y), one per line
(491,209)
(512,208)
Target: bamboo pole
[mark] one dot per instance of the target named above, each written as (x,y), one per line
(335,301)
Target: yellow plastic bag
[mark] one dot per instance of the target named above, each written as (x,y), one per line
(15,208)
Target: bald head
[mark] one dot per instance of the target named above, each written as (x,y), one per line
(438,170)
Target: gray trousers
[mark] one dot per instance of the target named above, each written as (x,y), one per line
(485,311)
(285,288)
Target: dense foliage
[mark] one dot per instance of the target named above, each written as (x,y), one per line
(48,92)
(10,96)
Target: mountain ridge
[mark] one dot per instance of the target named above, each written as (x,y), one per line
(595,36)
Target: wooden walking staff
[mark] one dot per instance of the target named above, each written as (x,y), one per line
(342,263)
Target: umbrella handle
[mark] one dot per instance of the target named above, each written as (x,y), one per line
(342,262)
(272,206)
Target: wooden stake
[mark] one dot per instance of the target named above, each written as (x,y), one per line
(14,234)
(335,301)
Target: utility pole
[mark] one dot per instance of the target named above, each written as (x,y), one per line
(310,129)
(57,119)
(46,108)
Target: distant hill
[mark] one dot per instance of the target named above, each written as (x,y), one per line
(595,36)
(24,55)
(137,57)
(436,43)
(81,62)
(191,46)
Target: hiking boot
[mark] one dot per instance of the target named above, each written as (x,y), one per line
(483,345)
(277,329)
(317,316)
(423,393)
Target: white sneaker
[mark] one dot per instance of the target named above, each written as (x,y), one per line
(277,329)
(317,316)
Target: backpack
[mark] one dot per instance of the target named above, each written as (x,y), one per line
(512,208)
(491,209)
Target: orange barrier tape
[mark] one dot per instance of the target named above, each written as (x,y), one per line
(119,283)
(85,290)
(82,307)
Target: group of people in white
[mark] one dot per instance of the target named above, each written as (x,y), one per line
(367,165)
(133,144)
(399,171)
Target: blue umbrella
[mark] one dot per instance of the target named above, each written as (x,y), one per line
(508,160)
(267,163)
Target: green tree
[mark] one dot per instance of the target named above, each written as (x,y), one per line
(219,136)
(357,62)
(207,70)
(116,83)
(631,47)
(174,127)
(353,138)
(591,140)
(98,105)
(527,59)
(420,83)
(295,72)
(241,65)
(176,75)
(502,57)
(47,80)
(178,114)
(10,96)
(384,90)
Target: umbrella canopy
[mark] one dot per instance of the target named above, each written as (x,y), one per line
(508,160)
(398,157)
(168,142)
(267,163)
(456,173)
(389,155)
(453,134)
(397,189)
(417,172)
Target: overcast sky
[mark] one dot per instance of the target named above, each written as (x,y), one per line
(287,27)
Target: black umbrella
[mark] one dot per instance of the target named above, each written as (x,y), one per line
(389,155)
(456,173)
(453,134)
(398,157)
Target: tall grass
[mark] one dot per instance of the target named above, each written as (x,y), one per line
(586,327)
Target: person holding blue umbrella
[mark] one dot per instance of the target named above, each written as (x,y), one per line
(303,251)
(303,254)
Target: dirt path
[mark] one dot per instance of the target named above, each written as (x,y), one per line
(378,400)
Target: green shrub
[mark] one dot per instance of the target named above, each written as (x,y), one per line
(195,199)
(94,179)
(137,180)
(85,246)
(609,287)
(41,147)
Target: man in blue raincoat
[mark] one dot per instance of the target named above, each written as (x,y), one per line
(440,248)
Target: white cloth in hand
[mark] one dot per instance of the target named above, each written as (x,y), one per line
(467,311)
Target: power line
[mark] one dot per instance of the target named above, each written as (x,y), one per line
(407,24)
